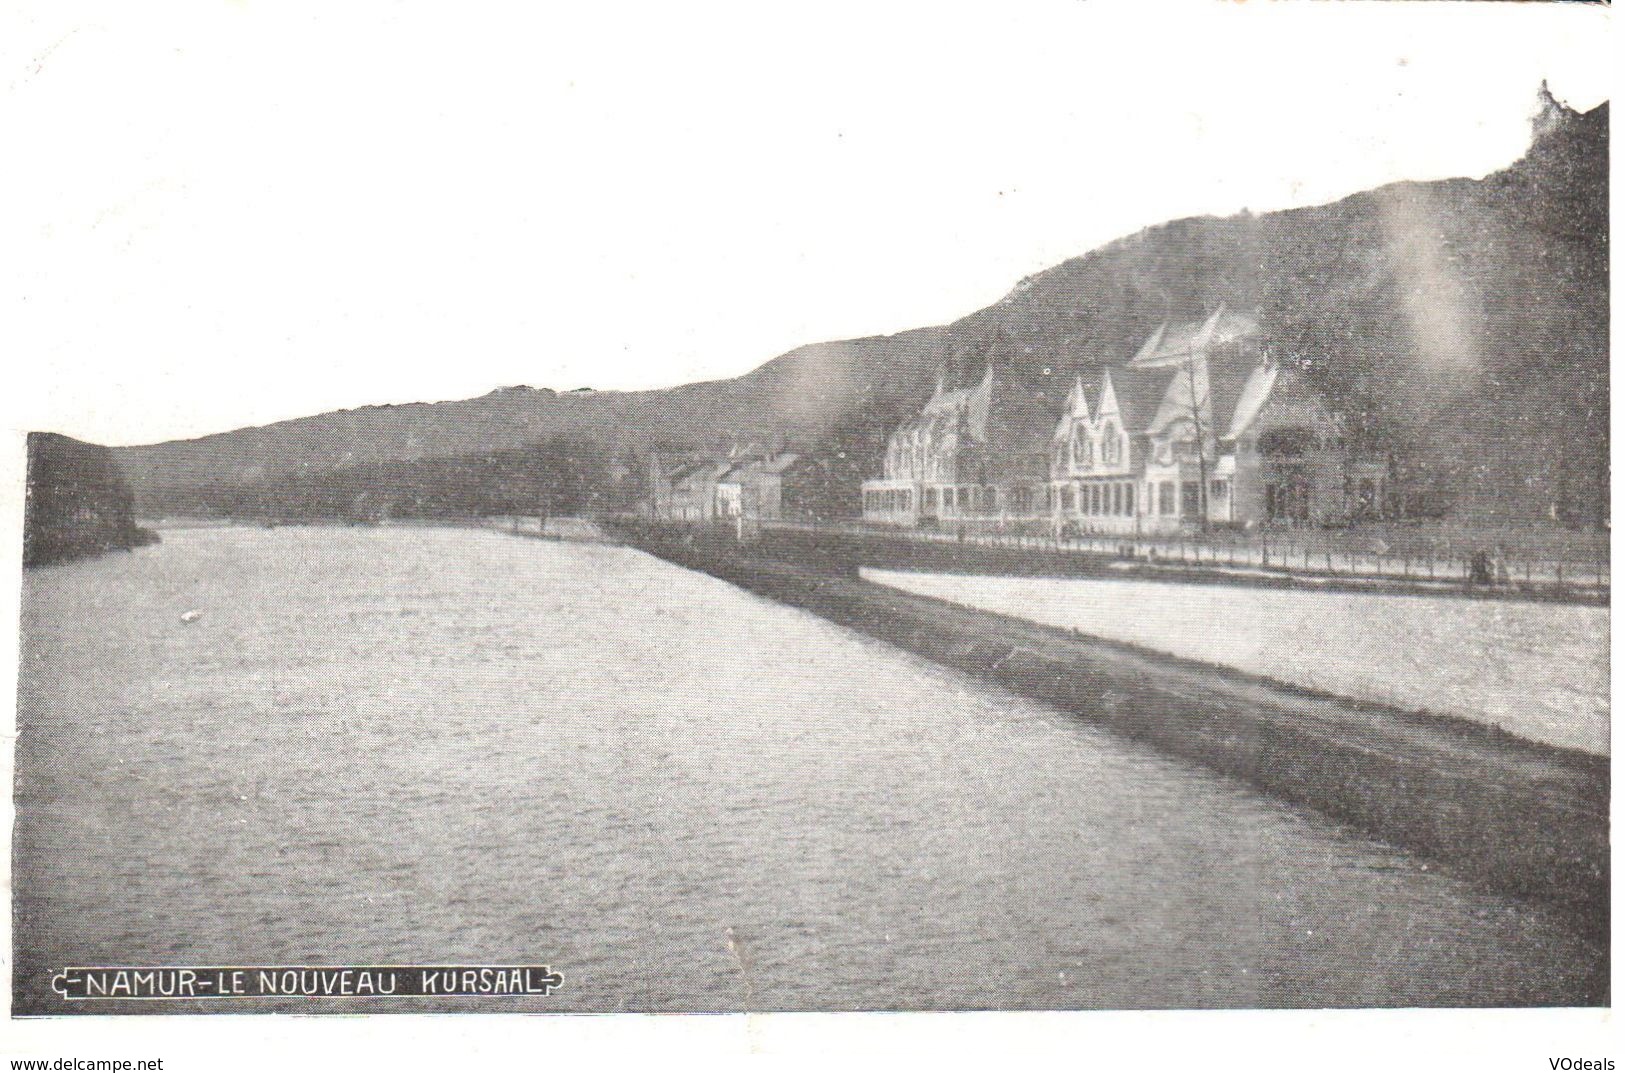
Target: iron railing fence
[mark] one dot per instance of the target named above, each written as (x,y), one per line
(1228,550)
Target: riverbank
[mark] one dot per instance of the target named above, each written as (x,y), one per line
(1523,818)
(1536,669)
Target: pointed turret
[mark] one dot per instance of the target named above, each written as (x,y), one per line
(1077,403)
(1107,403)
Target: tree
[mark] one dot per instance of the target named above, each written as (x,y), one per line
(1195,402)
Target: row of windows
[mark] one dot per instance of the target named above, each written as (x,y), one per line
(1116,498)
(1163,497)
(1079,450)
(1095,499)
(1113,499)
(983,498)
(968,499)
(1190,496)
(907,466)
(888,501)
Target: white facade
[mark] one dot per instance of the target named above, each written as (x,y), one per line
(753,488)
(1093,484)
(922,473)
(1194,430)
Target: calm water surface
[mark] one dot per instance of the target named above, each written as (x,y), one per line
(385,746)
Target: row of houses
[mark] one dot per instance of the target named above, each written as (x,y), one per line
(704,488)
(1200,426)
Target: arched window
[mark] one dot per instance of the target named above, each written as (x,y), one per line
(1111,446)
(1081,453)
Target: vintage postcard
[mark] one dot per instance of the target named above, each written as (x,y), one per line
(810,509)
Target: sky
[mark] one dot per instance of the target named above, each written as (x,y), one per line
(231,213)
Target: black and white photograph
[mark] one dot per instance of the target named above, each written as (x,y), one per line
(725,509)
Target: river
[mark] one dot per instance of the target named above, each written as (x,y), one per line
(416,745)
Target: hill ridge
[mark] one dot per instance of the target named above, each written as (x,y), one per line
(1419,307)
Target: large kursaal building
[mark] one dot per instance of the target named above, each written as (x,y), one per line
(1201,427)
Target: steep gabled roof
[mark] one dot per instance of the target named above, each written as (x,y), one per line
(1077,403)
(1187,387)
(708,470)
(966,406)
(1211,389)
(1151,347)
(1294,399)
(779,462)
(1227,383)
(1137,394)
(1077,409)
(742,468)
(1172,344)
(1254,395)
(682,469)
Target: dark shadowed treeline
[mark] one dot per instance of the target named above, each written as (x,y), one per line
(554,477)
(77,503)
(826,483)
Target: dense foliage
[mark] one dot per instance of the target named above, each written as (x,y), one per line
(77,502)
(552,477)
